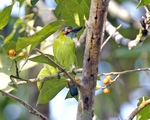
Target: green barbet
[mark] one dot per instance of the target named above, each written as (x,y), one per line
(65,52)
(64,48)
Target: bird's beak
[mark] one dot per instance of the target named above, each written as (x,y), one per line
(76,29)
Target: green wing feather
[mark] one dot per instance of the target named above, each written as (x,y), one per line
(64,52)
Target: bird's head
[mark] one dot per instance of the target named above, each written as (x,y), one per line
(71,32)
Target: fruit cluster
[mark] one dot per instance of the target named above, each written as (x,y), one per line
(13,53)
(106,81)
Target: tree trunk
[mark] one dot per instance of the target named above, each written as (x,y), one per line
(95,28)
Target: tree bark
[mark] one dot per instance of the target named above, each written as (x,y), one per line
(95,29)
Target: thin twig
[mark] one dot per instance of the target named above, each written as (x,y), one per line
(125,72)
(104,43)
(60,68)
(33,80)
(26,60)
(120,40)
(139,108)
(17,70)
(111,82)
(146,9)
(29,107)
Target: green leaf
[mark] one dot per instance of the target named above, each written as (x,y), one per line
(7,68)
(39,36)
(98,86)
(1,40)
(9,45)
(142,3)
(11,35)
(33,2)
(21,2)
(46,71)
(144,114)
(70,96)
(73,12)
(4,16)
(49,88)
(42,59)
(79,1)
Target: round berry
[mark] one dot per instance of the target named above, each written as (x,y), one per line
(106,91)
(12,52)
(21,54)
(107,79)
(78,80)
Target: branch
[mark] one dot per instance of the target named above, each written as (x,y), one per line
(139,108)
(120,40)
(33,80)
(125,72)
(29,107)
(140,38)
(114,32)
(60,68)
(94,36)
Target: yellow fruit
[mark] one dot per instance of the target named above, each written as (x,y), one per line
(106,90)
(22,54)
(12,52)
(107,79)
(78,80)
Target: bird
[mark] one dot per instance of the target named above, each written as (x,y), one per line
(64,48)
(65,52)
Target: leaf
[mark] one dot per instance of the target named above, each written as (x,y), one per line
(46,71)
(50,88)
(11,35)
(79,1)
(70,96)
(144,113)
(142,3)
(4,16)
(6,69)
(21,2)
(33,2)
(9,45)
(73,12)
(39,36)
(1,40)
(42,59)
(98,86)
